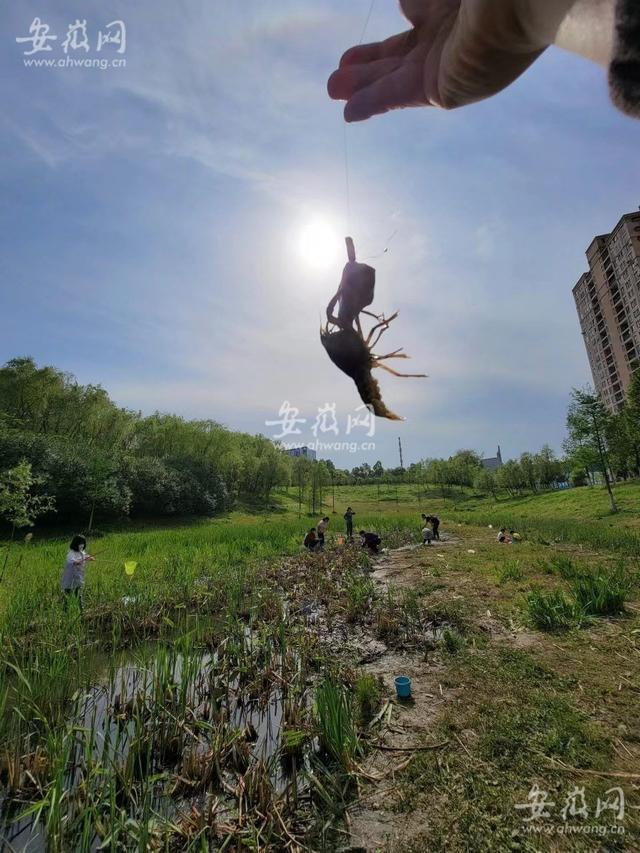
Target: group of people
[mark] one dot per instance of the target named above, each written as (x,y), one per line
(314,539)
(508,538)
(72,580)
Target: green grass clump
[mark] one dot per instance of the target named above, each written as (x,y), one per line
(336,723)
(359,592)
(601,592)
(452,640)
(367,690)
(551,611)
(564,566)
(511,571)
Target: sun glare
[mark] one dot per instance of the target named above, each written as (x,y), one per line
(319,244)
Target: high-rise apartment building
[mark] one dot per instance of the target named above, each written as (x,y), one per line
(608,302)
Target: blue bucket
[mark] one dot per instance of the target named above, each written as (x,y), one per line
(403,687)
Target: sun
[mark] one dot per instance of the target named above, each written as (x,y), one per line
(319,244)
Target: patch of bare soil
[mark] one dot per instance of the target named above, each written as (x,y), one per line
(400,567)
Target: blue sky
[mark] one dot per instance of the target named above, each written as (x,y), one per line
(151,216)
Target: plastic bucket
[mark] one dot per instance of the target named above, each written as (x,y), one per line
(403,687)
(130,567)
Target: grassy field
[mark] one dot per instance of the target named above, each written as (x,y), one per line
(131,724)
(520,698)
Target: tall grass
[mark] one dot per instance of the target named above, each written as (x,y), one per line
(551,611)
(594,591)
(599,535)
(602,592)
(336,723)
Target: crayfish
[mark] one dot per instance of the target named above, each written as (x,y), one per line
(347,347)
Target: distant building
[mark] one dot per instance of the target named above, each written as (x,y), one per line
(608,302)
(302,451)
(493,463)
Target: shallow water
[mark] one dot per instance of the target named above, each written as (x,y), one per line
(144,688)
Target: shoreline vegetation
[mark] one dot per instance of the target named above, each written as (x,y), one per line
(222,689)
(224,678)
(75,457)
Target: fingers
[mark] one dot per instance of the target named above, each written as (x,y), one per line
(349,79)
(340,85)
(376,78)
(397,45)
(403,87)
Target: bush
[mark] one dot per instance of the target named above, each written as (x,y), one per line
(601,592)
(551,611)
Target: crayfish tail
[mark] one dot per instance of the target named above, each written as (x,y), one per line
(369,390)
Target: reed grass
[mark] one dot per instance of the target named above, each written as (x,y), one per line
(602,591)
(551,611)
(336,723)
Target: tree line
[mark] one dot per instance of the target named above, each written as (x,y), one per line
(68,452)
(97,461)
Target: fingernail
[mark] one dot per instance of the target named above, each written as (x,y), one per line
(333,86)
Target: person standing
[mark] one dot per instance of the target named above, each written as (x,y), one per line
(320,529)
(72,580)
(435,526)
(348,517)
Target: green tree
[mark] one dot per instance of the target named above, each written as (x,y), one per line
(529,471)
(511,478)
(549,469)
(587,424)
(20,501)
(485,482)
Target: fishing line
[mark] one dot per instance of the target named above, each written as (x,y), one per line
(384,252)
(344,125)
(366,23)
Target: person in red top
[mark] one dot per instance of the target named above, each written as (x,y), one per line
(311,540)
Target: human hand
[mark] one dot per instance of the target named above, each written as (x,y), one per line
(458,52)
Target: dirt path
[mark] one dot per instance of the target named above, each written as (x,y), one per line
(374,825)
